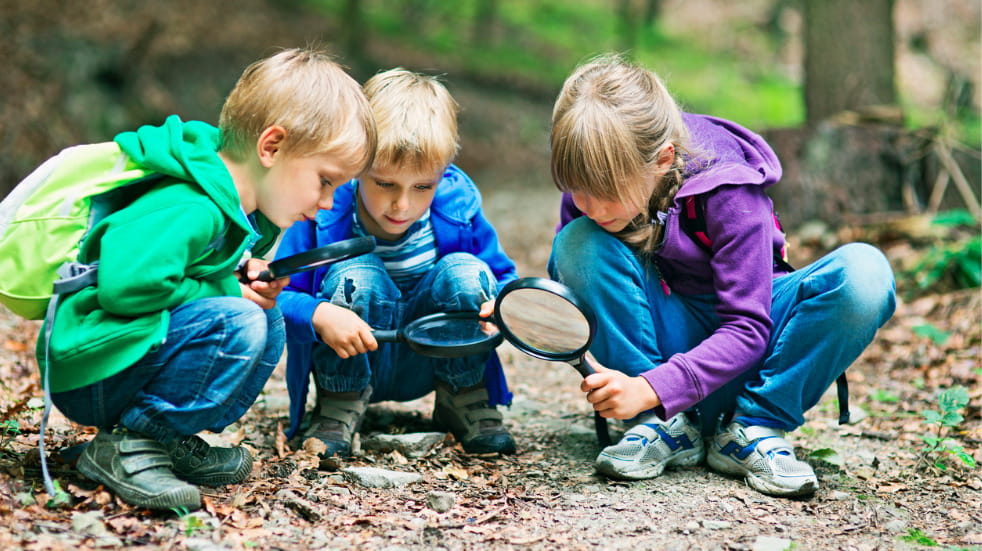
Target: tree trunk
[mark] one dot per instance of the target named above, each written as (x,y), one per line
(849,56)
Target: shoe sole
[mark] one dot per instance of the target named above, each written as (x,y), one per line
(724,465)
(188,497)
(687,458)
(220,479)
(507,448)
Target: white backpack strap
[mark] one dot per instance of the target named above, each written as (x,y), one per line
(72,276)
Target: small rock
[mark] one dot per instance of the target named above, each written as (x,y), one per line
(691,526)
(202,544)
(768,543)
(414,444)
(896,526)
(373,477)
(716,524)
(441,502)
(839,495)
(92,524)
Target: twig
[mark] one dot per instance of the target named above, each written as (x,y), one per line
(956,174)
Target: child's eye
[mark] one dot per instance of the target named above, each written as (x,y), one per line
(325,182)
(383,184)
(424,187)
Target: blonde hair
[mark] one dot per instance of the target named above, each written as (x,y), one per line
(609,124)
(416,118)
(311,96)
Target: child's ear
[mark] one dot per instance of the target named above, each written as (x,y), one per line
(666,156)
(269,144)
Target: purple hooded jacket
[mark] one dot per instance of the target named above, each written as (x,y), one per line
(733,167)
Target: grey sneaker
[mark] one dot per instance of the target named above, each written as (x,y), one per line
(477,425)
(647,448)
(337,418)
(137,469)
(764,458)
(199,463)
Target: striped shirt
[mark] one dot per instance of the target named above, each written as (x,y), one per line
(411,256)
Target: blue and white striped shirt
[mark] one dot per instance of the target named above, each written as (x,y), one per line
(411,256)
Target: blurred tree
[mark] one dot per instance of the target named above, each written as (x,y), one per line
(353,29)
(484,32)
(849,57)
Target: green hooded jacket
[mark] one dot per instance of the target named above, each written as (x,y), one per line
(176,242)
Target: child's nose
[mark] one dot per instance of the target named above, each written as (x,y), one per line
(401,202)
(326,200)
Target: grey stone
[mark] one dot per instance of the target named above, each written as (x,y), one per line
(441,502)
(414,444)
(768,543)
(372,477)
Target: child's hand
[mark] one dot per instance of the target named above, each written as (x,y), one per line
(262,293)
(341,329)
(616,395)
(487,308)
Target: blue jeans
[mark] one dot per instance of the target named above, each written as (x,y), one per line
(458,282)
(217,356)
(824,316)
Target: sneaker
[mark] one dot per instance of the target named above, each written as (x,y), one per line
(648,447)
(336,420)
(477,425)
(137,469)
(764,458)
(199,463)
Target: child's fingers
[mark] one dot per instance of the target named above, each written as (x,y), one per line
(593,382)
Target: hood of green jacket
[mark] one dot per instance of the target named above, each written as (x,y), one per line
(186,151)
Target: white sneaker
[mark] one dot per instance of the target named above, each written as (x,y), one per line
(764,458)
(650,446)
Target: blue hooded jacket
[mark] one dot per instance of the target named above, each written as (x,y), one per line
(459,225)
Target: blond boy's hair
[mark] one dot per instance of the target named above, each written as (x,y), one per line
(416,118)
(609,123)
(321,107)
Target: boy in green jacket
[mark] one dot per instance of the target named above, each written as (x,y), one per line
(169,343)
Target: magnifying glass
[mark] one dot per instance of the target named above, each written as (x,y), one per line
(546,320)
(315,258)
(446,335)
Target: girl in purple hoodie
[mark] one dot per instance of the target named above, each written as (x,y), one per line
(718,339)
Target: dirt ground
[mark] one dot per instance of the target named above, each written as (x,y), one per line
(875,492)
(872,495)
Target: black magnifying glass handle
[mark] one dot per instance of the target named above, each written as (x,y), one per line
(386,335)
(582,366)
(599,423)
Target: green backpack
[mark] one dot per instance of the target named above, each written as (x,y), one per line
(44,218)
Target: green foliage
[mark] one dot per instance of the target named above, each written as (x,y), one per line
(8,429)
(60,499)
(950,264)
(939,446)
(884,396)
(914,535)
(932,332)
(191,523)
(827,455)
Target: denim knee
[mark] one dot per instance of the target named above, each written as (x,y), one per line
(867,287)
(358,284)
(244,322)
(580,239)
(462,282)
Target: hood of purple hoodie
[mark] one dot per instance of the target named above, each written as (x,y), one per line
(737,156)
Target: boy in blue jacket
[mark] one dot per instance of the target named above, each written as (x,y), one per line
(436,253)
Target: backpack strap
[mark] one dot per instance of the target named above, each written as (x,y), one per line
(692,220)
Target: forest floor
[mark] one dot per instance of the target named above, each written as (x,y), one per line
(877,491)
